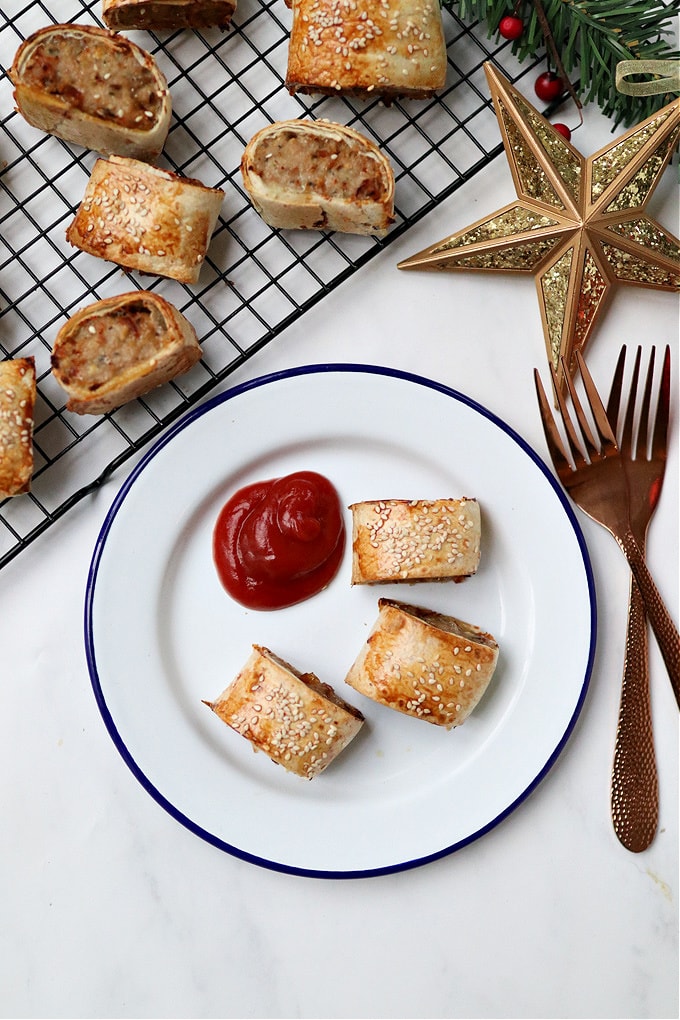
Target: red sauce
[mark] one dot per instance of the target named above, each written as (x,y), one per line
(278,542)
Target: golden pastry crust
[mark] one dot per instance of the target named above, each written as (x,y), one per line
(425,664)
(93,87)
(167,15)
(17,403)
(115,350)
(397,540)
(295,719)
(319,175)
(367,48)
(145,218)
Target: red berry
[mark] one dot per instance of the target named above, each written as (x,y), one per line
(563,130)
(548,86)
(511,27)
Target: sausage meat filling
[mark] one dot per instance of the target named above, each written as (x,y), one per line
(105,346)
(99,79)
(328,167)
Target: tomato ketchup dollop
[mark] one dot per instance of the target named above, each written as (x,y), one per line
(278,542)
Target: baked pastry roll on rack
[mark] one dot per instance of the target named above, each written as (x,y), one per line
(319,175)
(93,87)
(115,350)
(167,15)
(415,540)
(17,403)
(145,218)
(297,720)
(424,664)
(389,49)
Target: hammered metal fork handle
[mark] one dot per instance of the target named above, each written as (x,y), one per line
(664,629)
(635,784)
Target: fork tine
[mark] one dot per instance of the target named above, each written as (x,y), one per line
(592,448)
(552,435)
(629,420)
(642,443)
(569,430)
(606,435)
(614,402)
(660,434)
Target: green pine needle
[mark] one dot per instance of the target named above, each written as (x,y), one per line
(591,37)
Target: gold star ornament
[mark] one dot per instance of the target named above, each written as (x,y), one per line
(578,225)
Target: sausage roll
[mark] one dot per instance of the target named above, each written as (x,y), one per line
(17,403)
(363,48)
(93,87)
(295,719)
(415,540)
(117,349)
(145,218)
(318,175)
(425,664)
(167,15)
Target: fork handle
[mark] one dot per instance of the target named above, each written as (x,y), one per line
(634,782)
(665,631)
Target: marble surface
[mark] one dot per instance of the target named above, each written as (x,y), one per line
(110,908)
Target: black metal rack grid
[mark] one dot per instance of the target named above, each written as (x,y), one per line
(255,280)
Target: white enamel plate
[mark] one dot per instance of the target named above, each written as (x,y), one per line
(162,634)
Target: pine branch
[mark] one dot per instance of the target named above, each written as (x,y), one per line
(592,37)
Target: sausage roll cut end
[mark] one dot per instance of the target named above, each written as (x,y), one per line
(320,176)
(93,87)
(115,350)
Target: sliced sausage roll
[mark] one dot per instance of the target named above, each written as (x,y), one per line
(390,49)
(295,719)
(415,540)
(117,349)
(93,87)
(167,15)
(145,218)
(17,403)
(320,176)
(425,664)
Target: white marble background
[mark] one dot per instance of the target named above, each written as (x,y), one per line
(109,908)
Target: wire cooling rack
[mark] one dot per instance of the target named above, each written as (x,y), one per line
(255,281)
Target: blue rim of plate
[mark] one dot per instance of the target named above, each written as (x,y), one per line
(118,741)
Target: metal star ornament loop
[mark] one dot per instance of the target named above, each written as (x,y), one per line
(578,225)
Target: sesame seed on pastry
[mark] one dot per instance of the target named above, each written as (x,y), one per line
(145,218)
(297,720)
(17,402)
(397,540)
(367,48)
(425,664)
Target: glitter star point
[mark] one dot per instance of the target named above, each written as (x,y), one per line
(579,225)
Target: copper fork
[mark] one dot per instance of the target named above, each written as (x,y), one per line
(595,478)
(634,784)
